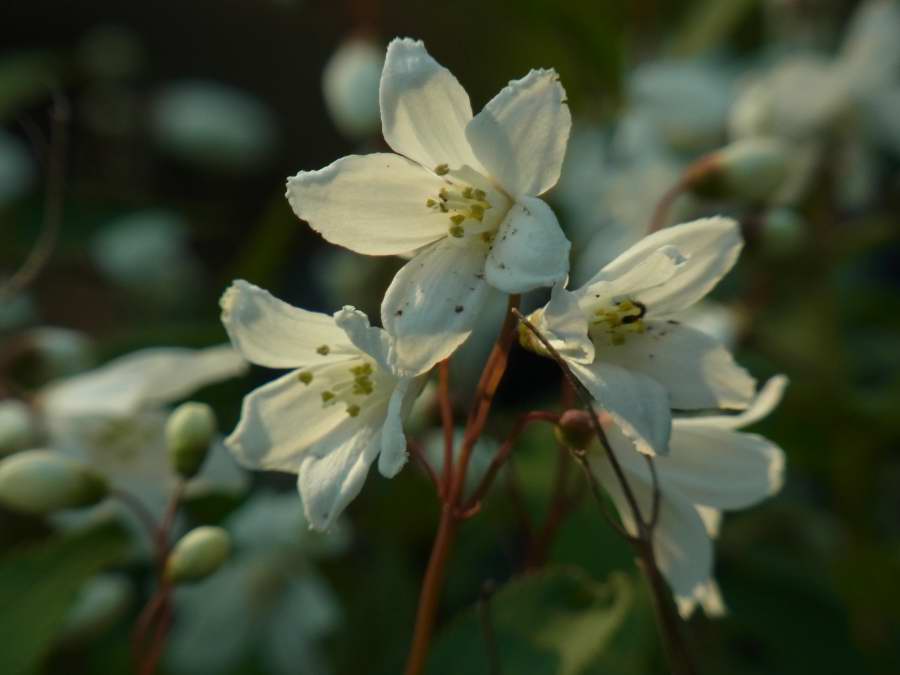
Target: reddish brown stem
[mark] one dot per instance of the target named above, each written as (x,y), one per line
(503,453)
(450,514)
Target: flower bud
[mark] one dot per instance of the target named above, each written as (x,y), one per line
(17,429)
(44,481)
(575,430)
(753,168)
(198,554)
(190,430)
(350,85)
(100,602)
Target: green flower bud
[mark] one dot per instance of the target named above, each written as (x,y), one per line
(190,430)
(17,430)
(44,481)
(100,602)
(574,430)
(753,168)
(198,554)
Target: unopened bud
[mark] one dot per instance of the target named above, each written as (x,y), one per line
(17,430)
(44,481)
(100,602)
(190,430)
(350,85)
(198,554)
(753,168)
(575,430)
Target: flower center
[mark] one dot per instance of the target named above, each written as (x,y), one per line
(618,320)
(352,386)
(472,205)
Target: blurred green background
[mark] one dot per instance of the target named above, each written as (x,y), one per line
(185,120)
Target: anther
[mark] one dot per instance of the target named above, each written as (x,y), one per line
(323,350)
(305,377)
(441,169)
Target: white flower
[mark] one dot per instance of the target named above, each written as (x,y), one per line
(341,406)
(711,468)
(269,594)
(687,102)
(113,418)
(619,335)
(462,192)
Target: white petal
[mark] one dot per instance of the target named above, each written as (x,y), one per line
(145,378)
(712,518)
(721,468)
(432,304)
(711,246)
(708,596)
(683,548)
(284,421)
(764,403)
(530,249)
(638,404)
(393,440)
(424,109)
(272,333)
(521,134)
(372,204)
(564,324)
(697,371)
(641,279)
(330,477)
(367,338)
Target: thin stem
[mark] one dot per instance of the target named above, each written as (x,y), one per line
(679,657)
(657,497)
(450,514)
(53,202)
(447,423)
(415,449)
(141,512)
(593,417)
(505,449)
(692,176)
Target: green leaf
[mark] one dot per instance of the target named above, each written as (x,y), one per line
(39,584)
(556,622)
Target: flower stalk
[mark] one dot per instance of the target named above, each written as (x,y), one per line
(451,512)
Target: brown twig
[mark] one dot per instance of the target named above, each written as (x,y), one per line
(426,614)
(415,449)
(505,449)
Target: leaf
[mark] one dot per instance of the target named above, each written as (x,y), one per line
(39,584)
(556,622)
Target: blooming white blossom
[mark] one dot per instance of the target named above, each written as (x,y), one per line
(711,467)
(461,192)
(845,105)
(620,336)
(113,418)
(342,404)
(269,592)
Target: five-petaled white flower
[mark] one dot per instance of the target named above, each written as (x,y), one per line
(619,336)
(113,418)
(461,193)
(342,404)
(711,468)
